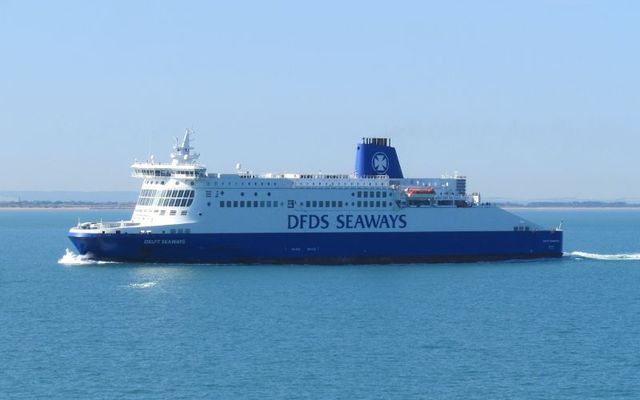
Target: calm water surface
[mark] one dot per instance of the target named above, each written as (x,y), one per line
(562,329)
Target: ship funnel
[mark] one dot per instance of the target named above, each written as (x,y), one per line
(375,156)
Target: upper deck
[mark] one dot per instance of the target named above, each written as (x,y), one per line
(380,173)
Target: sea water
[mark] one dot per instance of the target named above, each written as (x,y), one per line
(564,329)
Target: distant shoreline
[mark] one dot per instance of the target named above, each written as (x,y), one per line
(37,205)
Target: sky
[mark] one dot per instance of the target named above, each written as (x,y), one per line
(528,99)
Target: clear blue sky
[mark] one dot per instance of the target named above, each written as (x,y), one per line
(530,100)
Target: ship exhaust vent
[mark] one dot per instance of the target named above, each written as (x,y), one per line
(375,156)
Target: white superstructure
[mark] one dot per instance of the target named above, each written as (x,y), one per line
(181,197)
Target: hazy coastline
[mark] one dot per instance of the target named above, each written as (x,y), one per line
(83,205)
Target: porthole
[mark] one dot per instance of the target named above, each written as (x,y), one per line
(255,193)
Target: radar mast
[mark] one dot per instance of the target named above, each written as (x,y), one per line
(182,152)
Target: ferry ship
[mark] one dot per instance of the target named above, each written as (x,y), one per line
(185,214)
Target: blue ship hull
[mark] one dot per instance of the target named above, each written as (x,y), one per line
(321,248)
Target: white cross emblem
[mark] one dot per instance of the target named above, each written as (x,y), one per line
(380,163)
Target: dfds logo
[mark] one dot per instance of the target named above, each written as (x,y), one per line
(380,162)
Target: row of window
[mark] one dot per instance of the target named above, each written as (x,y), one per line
(154,172)
(198,173)
(215,183)
(165,202)
(162,182)
(171,212)
(371,194)
(322,204)
(168,173)
(307,204)
(167,193)
(339,204)
(145,201)
(148,193)
(166,198)
(175,202)
(372,204)
(248,203)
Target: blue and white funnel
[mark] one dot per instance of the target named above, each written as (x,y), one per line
(375,156)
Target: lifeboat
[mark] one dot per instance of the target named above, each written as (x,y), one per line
(418,192)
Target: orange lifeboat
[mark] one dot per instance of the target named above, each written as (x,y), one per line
(419,191)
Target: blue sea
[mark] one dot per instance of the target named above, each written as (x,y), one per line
(553,329)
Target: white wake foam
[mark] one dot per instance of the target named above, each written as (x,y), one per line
(605,257)
(71,258)
(143,285)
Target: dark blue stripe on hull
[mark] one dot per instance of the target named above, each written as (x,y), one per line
(321,248)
